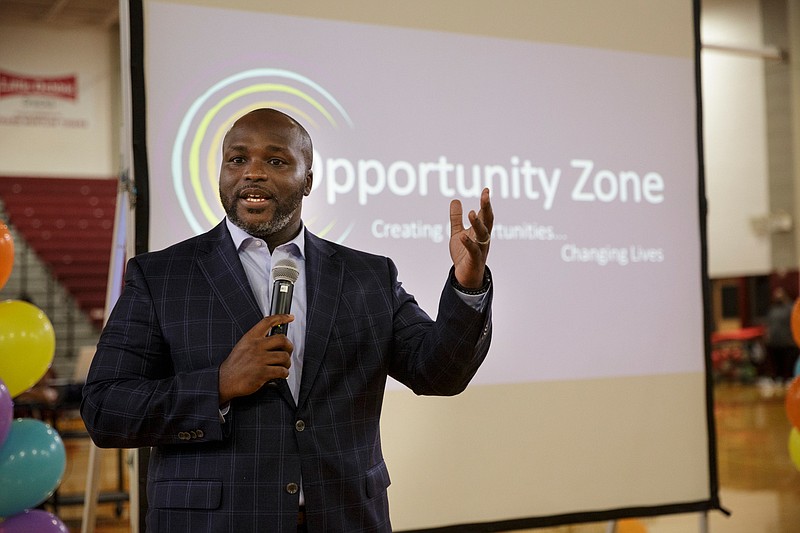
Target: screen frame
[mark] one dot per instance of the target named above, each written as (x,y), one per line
(135,77)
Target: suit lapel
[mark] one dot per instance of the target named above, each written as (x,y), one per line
(324,277)
(220,264)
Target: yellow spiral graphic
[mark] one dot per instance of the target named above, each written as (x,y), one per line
(196,152)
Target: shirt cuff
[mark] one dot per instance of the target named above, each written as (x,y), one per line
(475,298)
(475,301)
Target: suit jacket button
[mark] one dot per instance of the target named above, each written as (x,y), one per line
(183,435)
(200,434)
(299,425)
(193,434)
(292,488)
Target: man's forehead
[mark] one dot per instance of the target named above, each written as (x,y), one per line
(258,132)
(268,127)
(237,145)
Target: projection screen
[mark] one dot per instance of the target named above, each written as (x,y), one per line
(583,119)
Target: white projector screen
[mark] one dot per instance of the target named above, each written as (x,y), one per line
(582,118)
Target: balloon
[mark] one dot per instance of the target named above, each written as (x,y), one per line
(27,345)
(792,402)
(794,447)
(32,463)
(630,525)
(6,254)
(6,411)
(32,520)
(795,322)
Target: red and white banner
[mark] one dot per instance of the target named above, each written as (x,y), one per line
(55,87)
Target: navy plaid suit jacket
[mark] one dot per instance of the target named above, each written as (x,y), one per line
(154,382)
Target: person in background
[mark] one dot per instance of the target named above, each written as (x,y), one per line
(781,349)
(257,432)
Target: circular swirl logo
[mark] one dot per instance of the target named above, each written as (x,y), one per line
(196,153)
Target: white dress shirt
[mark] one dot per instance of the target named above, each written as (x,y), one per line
(257,262)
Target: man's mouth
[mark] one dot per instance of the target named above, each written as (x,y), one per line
(254,198)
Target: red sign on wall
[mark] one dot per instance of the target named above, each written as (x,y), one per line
(60,87)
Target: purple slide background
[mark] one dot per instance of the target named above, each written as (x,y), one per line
(417,96)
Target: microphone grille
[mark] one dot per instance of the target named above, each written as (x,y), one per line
(285,270)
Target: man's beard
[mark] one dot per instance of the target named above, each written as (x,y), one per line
(284,210)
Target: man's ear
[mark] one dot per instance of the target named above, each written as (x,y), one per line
(309,182)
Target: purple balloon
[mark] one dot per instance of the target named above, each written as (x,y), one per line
(33,520)
(6,412)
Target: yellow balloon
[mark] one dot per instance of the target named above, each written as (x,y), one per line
(27,345)
(794,447)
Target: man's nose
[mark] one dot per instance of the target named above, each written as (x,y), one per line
(256,170)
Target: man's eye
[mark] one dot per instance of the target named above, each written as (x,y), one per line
(275,162)
(237,159)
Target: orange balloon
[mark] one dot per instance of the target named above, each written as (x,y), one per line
(795,323)
(792,401)
(6,254)
(630,525)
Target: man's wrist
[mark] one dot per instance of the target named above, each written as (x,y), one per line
(483,289)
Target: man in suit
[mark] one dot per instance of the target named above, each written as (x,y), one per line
(259,432)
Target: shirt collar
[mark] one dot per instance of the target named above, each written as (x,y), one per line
(240,237)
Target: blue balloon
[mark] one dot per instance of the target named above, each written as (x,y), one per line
(32,463)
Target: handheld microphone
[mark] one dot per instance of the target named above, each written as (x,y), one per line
(284,274)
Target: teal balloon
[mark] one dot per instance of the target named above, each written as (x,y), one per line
(32,463)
